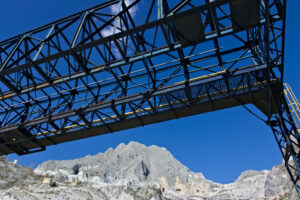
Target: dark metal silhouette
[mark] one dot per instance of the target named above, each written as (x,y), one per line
(129,63)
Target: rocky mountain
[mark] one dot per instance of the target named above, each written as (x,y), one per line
(135,172)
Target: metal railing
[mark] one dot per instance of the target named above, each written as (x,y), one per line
(293,104)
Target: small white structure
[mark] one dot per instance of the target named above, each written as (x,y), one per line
(47,180)
(163,184)
(73,180)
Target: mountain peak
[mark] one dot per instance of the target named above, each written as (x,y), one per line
(154,168)
(133,161)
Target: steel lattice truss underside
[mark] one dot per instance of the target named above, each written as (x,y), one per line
(124,64)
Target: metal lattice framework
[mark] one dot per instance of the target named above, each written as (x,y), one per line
(128,63)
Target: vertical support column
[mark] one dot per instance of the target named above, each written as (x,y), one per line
(287,136)
(160,13)
(279,115)
(117,18)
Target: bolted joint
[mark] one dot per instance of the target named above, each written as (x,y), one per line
(272,123)
(73,92)
(125,77)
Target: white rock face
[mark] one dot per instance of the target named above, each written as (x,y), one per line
(137,172)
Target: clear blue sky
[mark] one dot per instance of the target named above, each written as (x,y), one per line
(220,145)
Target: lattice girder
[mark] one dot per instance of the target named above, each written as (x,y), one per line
(128,63)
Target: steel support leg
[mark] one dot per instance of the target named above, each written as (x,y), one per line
(286,135)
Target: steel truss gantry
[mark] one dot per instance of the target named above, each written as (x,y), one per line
(129,63)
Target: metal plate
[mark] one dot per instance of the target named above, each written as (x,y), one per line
(244,13)
(189,29)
